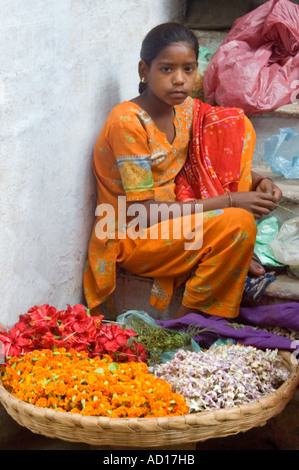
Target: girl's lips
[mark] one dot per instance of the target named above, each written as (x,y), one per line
(178,92)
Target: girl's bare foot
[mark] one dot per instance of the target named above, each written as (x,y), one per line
(255,268)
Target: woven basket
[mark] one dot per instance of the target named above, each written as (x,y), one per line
(151,433)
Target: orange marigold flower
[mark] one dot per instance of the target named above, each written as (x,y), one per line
(70,381)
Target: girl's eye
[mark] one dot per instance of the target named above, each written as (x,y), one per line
(166,69)
(189,69)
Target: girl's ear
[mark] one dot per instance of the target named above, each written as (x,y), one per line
(143,71)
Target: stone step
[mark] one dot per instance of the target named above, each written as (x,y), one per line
(211,39)
(133,293)
(283,290)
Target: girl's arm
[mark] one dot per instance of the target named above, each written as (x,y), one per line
(258,203)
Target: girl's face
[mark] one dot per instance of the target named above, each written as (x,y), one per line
(171,76)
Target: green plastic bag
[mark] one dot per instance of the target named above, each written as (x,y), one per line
(267,231)
(204,58)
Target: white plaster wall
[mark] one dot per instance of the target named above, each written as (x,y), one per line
(63,65)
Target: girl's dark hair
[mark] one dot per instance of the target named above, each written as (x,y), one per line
(165,35)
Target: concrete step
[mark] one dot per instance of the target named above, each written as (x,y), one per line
(133,293)
(283,290)
(211,39)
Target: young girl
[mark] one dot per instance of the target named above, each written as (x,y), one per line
(141,154)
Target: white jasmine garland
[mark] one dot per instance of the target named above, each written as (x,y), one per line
(224,375)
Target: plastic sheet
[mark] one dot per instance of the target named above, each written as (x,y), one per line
(281,152)
(267,230)
(257,65)
(285,246)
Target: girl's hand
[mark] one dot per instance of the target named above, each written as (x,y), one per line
(257,202)
(267,186)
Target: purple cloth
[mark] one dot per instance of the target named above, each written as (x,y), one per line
(282,315)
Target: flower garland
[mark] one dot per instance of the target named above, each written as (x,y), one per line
(71,381)
(45,327)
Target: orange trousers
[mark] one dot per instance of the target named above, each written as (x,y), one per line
(214,274)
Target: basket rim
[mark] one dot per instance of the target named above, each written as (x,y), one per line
(284,392)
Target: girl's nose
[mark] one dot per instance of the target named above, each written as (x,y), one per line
(179,78)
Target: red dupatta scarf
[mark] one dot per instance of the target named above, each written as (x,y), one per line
(215,150)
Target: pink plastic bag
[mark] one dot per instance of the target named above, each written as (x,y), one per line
(257,66)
